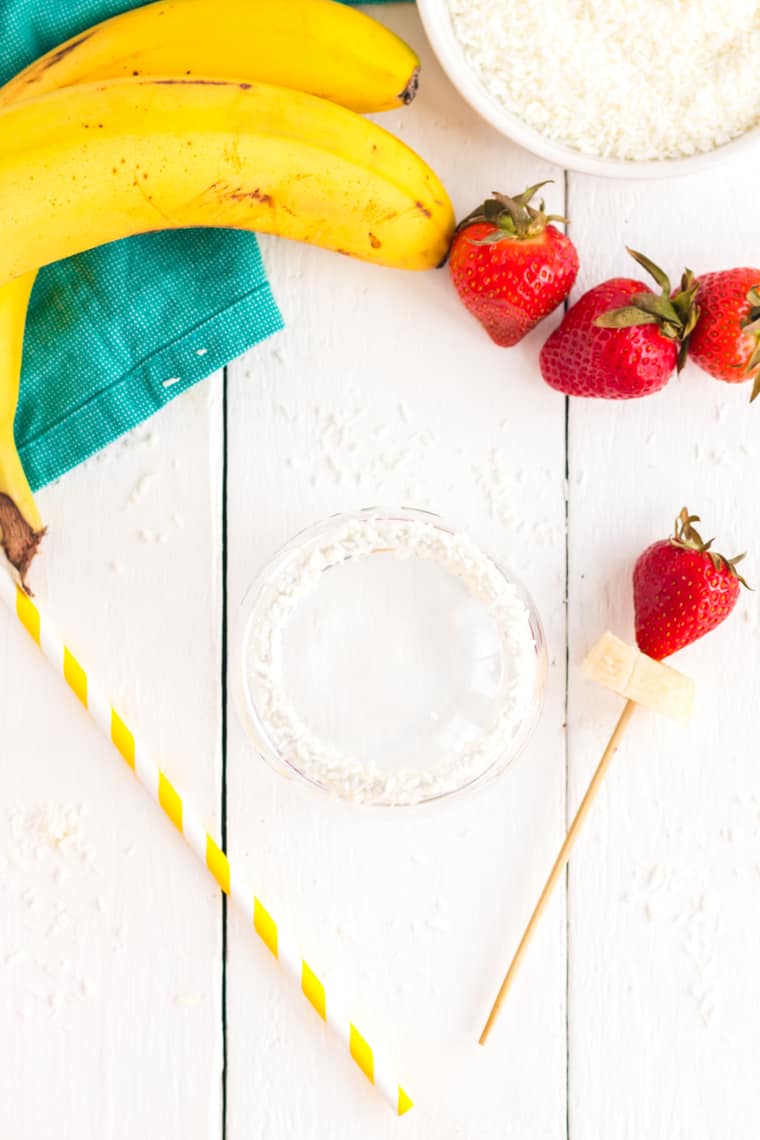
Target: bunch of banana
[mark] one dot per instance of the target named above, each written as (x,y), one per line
(238,113)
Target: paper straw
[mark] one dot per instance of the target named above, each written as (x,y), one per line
(160,789)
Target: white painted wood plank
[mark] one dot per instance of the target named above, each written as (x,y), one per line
(664,884)
(110,952)
(414,913)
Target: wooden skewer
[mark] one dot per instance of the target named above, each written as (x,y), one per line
(560,862)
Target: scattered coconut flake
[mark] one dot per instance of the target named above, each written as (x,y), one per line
(49,831)
(657,878)
(140,488)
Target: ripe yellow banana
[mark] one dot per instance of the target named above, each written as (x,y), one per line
(311,45)
(318,46)
(90,164)
(109,159)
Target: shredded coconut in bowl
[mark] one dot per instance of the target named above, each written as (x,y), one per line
(405,536)
(640,80)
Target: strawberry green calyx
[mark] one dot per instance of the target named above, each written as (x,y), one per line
(675,313)
(685,537)
(751,325)
(514,218)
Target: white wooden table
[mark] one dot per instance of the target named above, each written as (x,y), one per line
(131,1003)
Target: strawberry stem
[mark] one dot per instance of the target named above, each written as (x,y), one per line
(675,313)
(654,271)
(513,217)
(687,537)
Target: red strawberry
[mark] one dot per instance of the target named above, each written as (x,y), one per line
(681,590)
(621,340)
(726,338)
(510,267)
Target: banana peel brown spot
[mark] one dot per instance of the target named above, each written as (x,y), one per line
(257,195)
(19,540)
(195,81)
(376,214)
(57,56)
(374,241)
(232,155)
(423,209)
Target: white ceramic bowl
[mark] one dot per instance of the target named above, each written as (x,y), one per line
(437,24)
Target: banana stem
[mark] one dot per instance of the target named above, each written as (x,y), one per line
(21,528)
(19,538)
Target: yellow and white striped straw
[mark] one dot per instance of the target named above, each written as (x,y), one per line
(159,787)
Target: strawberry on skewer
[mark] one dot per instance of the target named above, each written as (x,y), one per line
(682,590)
